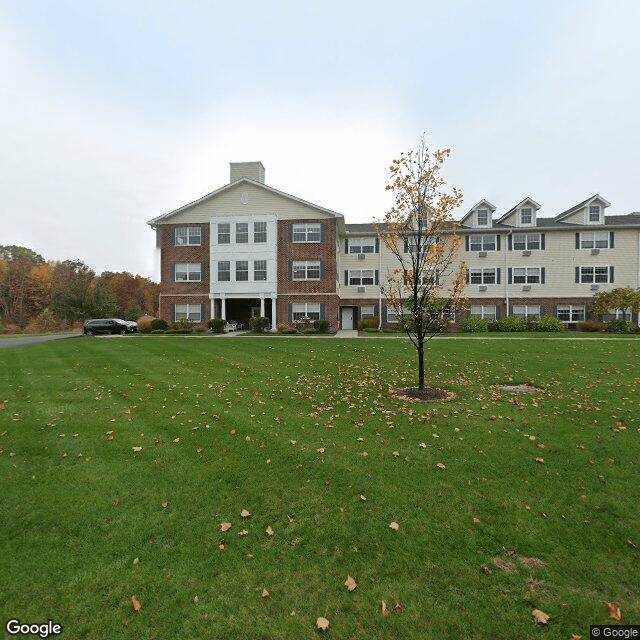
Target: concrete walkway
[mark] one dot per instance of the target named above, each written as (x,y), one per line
(344,333)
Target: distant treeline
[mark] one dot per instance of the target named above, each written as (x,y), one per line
(42,295)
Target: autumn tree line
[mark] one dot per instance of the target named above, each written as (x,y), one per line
(45,295)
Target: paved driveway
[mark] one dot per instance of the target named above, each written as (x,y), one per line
(15,341)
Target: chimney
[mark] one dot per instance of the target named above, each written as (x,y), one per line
(252,170)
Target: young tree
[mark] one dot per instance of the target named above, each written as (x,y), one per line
(426,287)
(626,299)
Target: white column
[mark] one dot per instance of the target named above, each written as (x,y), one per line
(262,304)
(273,312)
(223,307)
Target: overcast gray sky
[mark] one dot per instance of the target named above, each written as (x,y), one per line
(113,113)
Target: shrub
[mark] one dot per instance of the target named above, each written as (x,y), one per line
(370,330)
(322,326)
(369,323)
(475,324)
(156,331)
(281,328)
(309,331)
(200,329)
(259,323)
(157,324)
(620,326)
(216,325)
(549,324)
(511,324)
(591,325)
(288,331)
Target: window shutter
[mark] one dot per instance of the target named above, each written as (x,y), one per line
(290,311)
(323,312)
(543,310)
(202,312)
(498,311)
(498,275)
(611,274)
(323,231)
(173,273)
(542,275)
(466,243)
(346,245)
(204,270)
(377,276)
(406,246)
(510,242)
(346,277)
(577,242)
(290,269)
(173,313)
(542,241)
(611,243)
(377,245)
(376,310)
(577,273)
(497,242)
(510,310)
(383,315)
(467,276)
(555,310)
(322,269)
(173,236)
(509,275)
(291,235)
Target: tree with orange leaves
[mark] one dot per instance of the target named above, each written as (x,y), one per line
(426,287)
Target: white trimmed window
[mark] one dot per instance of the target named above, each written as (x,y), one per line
(487,311)
(595,240)
(482,217)
(224,233)
(188,236)
(259,231)
(526,275)
(309,310)
(526,241)
(594,213)
(190,312)
(362,245)
(306,232)
(486,242)
(526,215)
(242,232)
(259,270)
(188,272)
(361,277)
(391,316)
(305,270)
(224,271)
(570,313)
(242,271)
(367,311)
(595,275)
(485,275)
(526,311)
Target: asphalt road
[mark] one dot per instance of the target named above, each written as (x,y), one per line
(15,341)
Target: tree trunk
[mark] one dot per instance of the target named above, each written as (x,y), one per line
(421,384)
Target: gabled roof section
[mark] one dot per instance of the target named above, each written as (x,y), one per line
(581,205)
(483,204)
(511,211)
(166,216)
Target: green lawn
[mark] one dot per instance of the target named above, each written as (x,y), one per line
(299,432)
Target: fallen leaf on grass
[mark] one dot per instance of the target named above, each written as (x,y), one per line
(540,460)
(540,617)
(613,609)
(440,465)
(385,610)
(320,450)
(363,498)
(265,593)
(243,533)
(137,605)
(533,563)
(501,564)
(269,531)
(394,525)
(350,583)
(476,520)
(322,624)
(575,636)
(137,449)
(244,513)
(225,526)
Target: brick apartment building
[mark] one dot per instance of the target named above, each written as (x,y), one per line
(249,249)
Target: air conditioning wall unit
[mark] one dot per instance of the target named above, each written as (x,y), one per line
(362,289)
(361,256)
(595,252)
(595,287)
(482,287)
(526,287)
(482,254)
(526,253)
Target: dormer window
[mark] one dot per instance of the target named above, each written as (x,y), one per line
(482,217)
(594,213)
(526,215)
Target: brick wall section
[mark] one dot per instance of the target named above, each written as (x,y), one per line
(197,292)
(330,302)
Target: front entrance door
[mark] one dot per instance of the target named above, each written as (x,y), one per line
(347,319)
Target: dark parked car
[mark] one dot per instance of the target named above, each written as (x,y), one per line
(107,325)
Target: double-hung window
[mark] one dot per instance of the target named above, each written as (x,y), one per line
(361,277)
(487,311)
(300,310)
(526,241)
(482,217)
(570,313)
(242,232)
(259,270)
(259,231)
(526,215)
(224,233)
(526,311)
(362,245)
(594,213)
(367,311)
(526,275)
(190,312)
(485,242)
(242,271)
(224,271)
(595,240)
(596,275)
(485,275)
(305,270)
(188,236)
(306,232)
(188,272)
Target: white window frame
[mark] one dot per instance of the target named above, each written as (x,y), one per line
(224,233)
(590,240)
(594,214)
(575,312)
(242,266)
(484,244)
(188,236)
(391,316)
(484,276)
(595,278)
(488,311)
(529,243)
(367,311)
(526,215)
(531,275)
(362,245)
(482,218)
(357,277)
(306,270)
(242,232)
(307,232)
(526,311)
(300,310)
(226,271)
(259,270)
(192,272)
(188,312)
(259,232)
